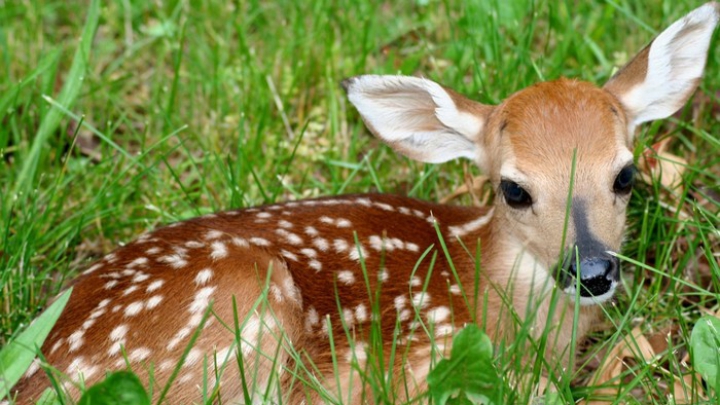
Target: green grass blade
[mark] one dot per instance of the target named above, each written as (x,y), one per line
(17,356)
(67,97)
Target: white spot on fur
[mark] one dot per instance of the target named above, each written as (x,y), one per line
(348,317)
(139,354)
(275,292)
(438,314)
(444,330)
(167,364)
(472,226)
(203,276)
(364,202)
(431,219)
(311,231)
(154,285)
(213,234)
(455,289)
(153,250)
(343,223)
(289,255)
(259,241)
(421,299)
(264,215)
(219,250)
(361,313)
(376,242)
(356,252)
(192,244)
(315,265)
(175,261)
(285,224)
(140,261)
(193,356)
(357,353)
(292,238)
(110,284)
(93,268)
(76,340)
(34,367)
(240,242)
(140,277)
(153,301)
(201,300)
(400,302)
(383,206)
(134,308)
(291,290)
(197,307)
(340,245)
(249,336)
(130,290)
(56,345)
(311,319)
(88,323)
(346,277)
(311,253)
(322,244)
(79,370)
(118,333)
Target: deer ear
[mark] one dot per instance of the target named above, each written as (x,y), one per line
(661,78)
(419,118)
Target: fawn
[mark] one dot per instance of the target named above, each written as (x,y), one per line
(282,280)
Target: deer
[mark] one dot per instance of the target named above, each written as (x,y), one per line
(244,296)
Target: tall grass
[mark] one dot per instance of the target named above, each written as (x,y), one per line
(181,108)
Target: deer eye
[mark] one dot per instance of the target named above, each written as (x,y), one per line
(515,196)
(624,180)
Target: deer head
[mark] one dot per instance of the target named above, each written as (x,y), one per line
(554,151)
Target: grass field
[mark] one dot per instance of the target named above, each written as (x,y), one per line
(182,108)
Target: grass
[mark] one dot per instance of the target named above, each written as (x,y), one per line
(183,108)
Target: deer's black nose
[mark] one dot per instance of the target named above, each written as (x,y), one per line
(597,274)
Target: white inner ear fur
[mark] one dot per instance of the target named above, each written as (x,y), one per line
(417,117)
(675,62)
(447,113)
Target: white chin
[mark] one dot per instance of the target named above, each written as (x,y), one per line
(587,301)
